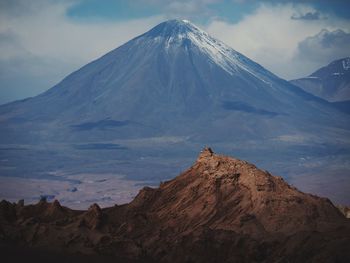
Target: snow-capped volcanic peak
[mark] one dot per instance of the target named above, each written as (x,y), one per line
(172,28)
(174,34)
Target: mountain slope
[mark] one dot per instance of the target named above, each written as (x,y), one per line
(152,102)
(331,82)
(225,193)
(175,73)
(221,209)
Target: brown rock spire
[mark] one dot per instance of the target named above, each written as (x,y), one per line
(206,153)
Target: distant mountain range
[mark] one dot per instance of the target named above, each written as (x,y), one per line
(219,210)
(145,108)
(331,82)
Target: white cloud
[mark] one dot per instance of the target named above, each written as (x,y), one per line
(326,45)
(39,44)
(270,37)
(40,37)
(49,32)
(189,9)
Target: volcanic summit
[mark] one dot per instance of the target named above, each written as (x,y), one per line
(169,91)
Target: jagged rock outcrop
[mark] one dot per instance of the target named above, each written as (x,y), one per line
(92,219)
(220,210)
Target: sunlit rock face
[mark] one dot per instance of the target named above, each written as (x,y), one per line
(221,209)
(146,108)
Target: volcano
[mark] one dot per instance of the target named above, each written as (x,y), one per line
(171,80)
(221,209)
(151,103)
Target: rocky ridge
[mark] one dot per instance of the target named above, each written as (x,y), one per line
(221,209)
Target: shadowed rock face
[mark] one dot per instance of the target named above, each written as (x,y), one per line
(220,210)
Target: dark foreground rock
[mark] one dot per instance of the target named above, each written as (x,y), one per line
(219,210)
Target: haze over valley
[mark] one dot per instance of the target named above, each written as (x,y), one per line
(174,131)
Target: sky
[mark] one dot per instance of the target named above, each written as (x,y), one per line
(42,41)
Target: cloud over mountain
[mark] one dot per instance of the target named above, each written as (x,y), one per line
(326,45)
(56,41)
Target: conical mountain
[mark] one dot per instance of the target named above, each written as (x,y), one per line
(171,80)
(157,99)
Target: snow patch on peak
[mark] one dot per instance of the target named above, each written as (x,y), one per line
(176,34)
(346,64)
(221,54)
